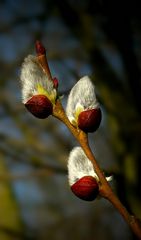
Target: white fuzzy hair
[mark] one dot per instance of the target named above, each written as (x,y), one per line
(82,94)
(79,166)
(32,75)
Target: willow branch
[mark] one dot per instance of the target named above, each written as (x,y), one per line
(105,189)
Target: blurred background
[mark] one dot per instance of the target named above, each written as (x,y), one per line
(98,38)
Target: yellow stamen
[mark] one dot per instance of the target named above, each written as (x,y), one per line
(51,96)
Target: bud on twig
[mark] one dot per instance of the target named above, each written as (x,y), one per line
(38,91)
(83,179)
(82,107)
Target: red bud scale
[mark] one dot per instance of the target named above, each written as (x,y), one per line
(86,188)
(40,106)
(89,120)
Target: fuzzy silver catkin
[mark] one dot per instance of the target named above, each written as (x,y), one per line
(32,75)
(79,166)
(82,94)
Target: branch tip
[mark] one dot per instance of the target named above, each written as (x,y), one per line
(40,49)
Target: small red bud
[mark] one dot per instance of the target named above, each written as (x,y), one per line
(86,188)
(40,106)
(40,49)
(89,120)
(55,82)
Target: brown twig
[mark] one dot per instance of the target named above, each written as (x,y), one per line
(104,187)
